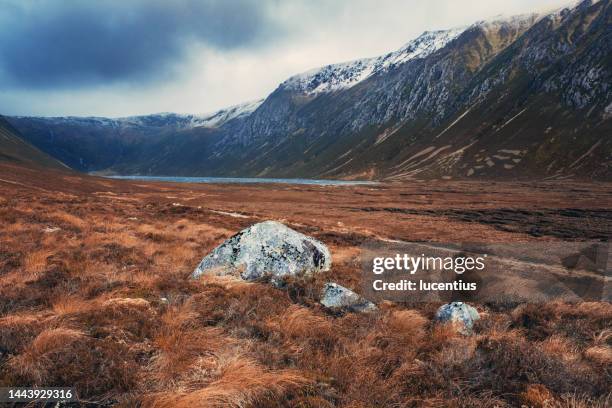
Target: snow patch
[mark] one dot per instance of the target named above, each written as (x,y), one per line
(225,115)
(588,153)
(511,119)
(164,119)
(508,151)
(454,123)
(344,75)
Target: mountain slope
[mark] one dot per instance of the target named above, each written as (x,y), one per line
(523,97)
(13,149)
(345,75)
(530,85)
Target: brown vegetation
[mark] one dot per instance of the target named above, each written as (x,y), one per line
(94,293)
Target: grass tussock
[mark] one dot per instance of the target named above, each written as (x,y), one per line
(36,262)
(61,356)
(239,382)
(67,220)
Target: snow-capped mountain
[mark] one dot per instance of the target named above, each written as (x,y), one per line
(189,121)
(524,96)
(345,75)
(164,119)
(98,143)
(508,97)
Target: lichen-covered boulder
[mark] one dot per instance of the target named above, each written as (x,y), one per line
(335,296)
(460,314)
(266,249)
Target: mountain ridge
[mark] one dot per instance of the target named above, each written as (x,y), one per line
(448,104)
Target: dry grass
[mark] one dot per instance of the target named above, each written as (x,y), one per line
(36,262)
(69,220)
(237,382)
(300,322)
(600,355)
(537,396)
(105,305)
(70,306)
(32,363)
(13,228)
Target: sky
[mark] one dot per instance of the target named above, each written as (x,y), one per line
(129,57)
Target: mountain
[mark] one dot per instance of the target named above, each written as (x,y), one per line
(343,76)
(98,144)
(527,96)
(13,149)
(512,98)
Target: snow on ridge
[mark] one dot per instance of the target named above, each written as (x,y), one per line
(225,115)
(518,21)
(347,74)
(528,19)
(213,119)
(178,120)
(344,75)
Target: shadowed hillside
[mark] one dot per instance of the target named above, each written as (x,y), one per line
(14,149)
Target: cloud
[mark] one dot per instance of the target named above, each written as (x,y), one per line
(71,43)
(128,57)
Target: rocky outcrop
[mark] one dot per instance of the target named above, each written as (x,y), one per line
(338,297)
(461,315)
(266,249)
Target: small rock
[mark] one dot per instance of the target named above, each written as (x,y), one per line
(338,297)
(139,303)
(266,249)
(48,230)
(460,314)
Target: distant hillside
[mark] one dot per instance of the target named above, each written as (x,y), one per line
(513,98)
(14,149)
(138,142)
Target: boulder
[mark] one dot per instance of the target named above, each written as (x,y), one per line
(266,249)
(460,314)
(338,297)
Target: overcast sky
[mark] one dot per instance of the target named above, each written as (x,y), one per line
(127,57)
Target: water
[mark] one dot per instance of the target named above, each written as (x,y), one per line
(245,180)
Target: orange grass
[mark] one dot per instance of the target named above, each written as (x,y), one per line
(106,305)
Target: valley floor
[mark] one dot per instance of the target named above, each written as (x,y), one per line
(94,293)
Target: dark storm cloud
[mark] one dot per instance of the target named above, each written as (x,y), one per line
(68,43)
